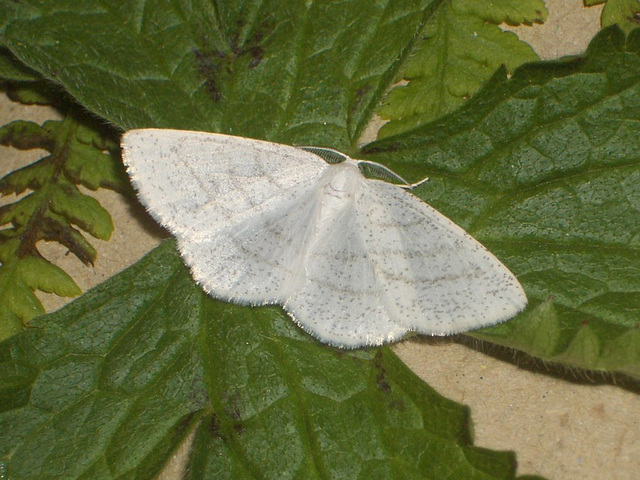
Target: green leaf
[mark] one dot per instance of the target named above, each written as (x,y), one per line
(460,47)
(85,398)
(34,93)
(307,73)
(19,278)
(50,211)
(544,169)
(535,167)
(13,69)
(625,13)
(263,70)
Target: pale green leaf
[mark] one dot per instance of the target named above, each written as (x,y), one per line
(81,210)
(50,207)
(625,13)
(459,48)
(39,274)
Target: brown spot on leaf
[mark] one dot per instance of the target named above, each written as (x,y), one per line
(381,376)
(256,56)
(213,426)
(209,69)
(232,409)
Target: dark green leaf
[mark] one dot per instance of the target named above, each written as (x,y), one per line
(544,169)
(535,167)
(13,69)
(264,70)
(25,136)
(110,385)
(34,93)
(75,383)
(278,71)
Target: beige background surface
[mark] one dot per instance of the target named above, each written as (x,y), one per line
(559,428)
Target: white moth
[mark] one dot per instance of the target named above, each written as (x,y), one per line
(354,261)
